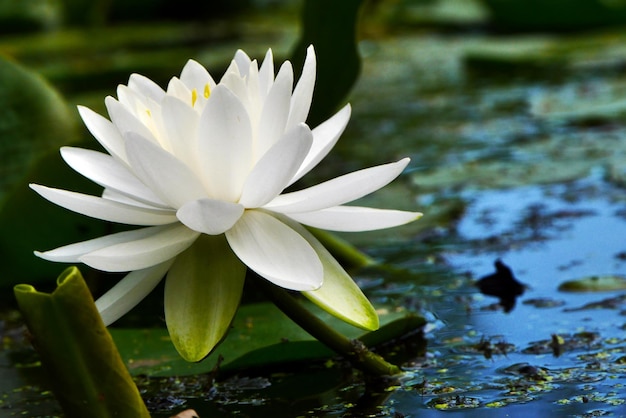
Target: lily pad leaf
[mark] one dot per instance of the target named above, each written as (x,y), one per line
(260,335)
(594,284)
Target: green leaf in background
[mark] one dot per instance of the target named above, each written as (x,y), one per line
(556,14)
(33,121)
(28,223)
(260,336)
(29,15)
(88,375)
(330,26)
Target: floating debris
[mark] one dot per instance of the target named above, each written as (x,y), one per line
(487,348)
(557,344)
(188,413)
(503,285)
(454,402)
(543,303)
(616,302)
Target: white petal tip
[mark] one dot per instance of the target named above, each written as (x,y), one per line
(296,286)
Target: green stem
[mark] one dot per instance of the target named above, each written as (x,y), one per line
(354,350)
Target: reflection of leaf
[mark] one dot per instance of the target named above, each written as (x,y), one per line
(34,120)
(261,335)
(330,26)
(90,379)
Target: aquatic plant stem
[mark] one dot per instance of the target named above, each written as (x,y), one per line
(354,350)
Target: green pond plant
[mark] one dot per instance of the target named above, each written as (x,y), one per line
(89,376)
(201,168)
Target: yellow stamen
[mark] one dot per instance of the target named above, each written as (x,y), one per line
(194,96)
(148,112)
(207,91)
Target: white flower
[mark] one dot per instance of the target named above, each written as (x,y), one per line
(202,166)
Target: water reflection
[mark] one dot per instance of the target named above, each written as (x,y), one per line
(503,285)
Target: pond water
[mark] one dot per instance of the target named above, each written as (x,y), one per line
(496,180)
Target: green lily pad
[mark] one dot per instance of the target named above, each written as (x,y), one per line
(594,284)
(546,56)
(261,335)
(585,101)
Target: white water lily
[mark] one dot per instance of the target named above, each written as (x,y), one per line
(202,167)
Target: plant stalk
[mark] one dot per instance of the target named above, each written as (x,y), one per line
(354,350)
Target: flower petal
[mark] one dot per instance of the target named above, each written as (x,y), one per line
(232,81)
(129,291)
(111,194)
(178,90)
(272,172)
(243,62)
(146,87)
(170,179)
(73,252)
(107,210)
(339,295)
(104,131)
(210,216)
(338,191)
(266,74)
(109,173)
(144,252)
(303,93)
(354,218)
(325,137)
(195,76)
(224,145)
(125,120)
(275,111)
(275,251)
(180,122)
(202,293)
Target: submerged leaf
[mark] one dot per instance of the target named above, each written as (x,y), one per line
(90,379)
